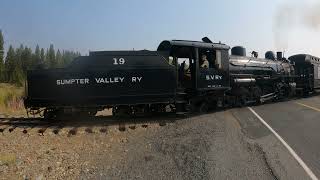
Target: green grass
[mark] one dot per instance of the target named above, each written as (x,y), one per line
(11,99)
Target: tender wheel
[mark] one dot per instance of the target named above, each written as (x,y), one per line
(92,112)
(87,113)
(121,111)
(50,114)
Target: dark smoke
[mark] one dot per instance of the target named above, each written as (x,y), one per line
(294,15)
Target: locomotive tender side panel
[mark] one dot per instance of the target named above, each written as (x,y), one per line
(99,81)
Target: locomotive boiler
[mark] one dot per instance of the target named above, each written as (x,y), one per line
(256,79)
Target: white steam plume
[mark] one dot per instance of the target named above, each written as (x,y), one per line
(294,15)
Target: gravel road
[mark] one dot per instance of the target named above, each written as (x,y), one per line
(211,146)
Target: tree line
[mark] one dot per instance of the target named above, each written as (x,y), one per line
(14,66)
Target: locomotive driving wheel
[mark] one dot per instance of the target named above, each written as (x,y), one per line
(203,108)
(257,93)
(242,100)
(243,97)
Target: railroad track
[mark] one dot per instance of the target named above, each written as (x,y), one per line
(75,125)
(98,124)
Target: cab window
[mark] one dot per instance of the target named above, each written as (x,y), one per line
(210,59)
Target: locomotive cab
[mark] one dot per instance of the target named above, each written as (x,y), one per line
(193,72)
(202,69)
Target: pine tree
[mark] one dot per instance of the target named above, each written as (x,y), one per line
(59,59)
(68,57)
(52,57)
(17,75)
(9,64)
(46,59)
(2,75)
(42,55)
(21,59)
(18,55)
(36,60)
(26,60)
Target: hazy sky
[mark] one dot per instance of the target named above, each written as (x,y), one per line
(84,25)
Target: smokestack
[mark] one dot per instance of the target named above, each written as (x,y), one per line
(279,56)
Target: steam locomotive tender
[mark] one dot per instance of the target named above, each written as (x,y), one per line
(170,79)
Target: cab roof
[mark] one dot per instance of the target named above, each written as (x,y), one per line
(167,44)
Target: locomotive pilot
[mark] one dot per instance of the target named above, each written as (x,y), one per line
(204,61)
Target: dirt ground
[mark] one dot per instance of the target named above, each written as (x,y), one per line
(209,146)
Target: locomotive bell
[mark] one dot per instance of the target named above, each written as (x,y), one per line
(270,55)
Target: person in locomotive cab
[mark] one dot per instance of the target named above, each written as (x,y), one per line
(204,61)
(186,70)
(170,60)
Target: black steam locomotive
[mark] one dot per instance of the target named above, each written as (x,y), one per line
(180,77)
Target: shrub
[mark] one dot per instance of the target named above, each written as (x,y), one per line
(11,98)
